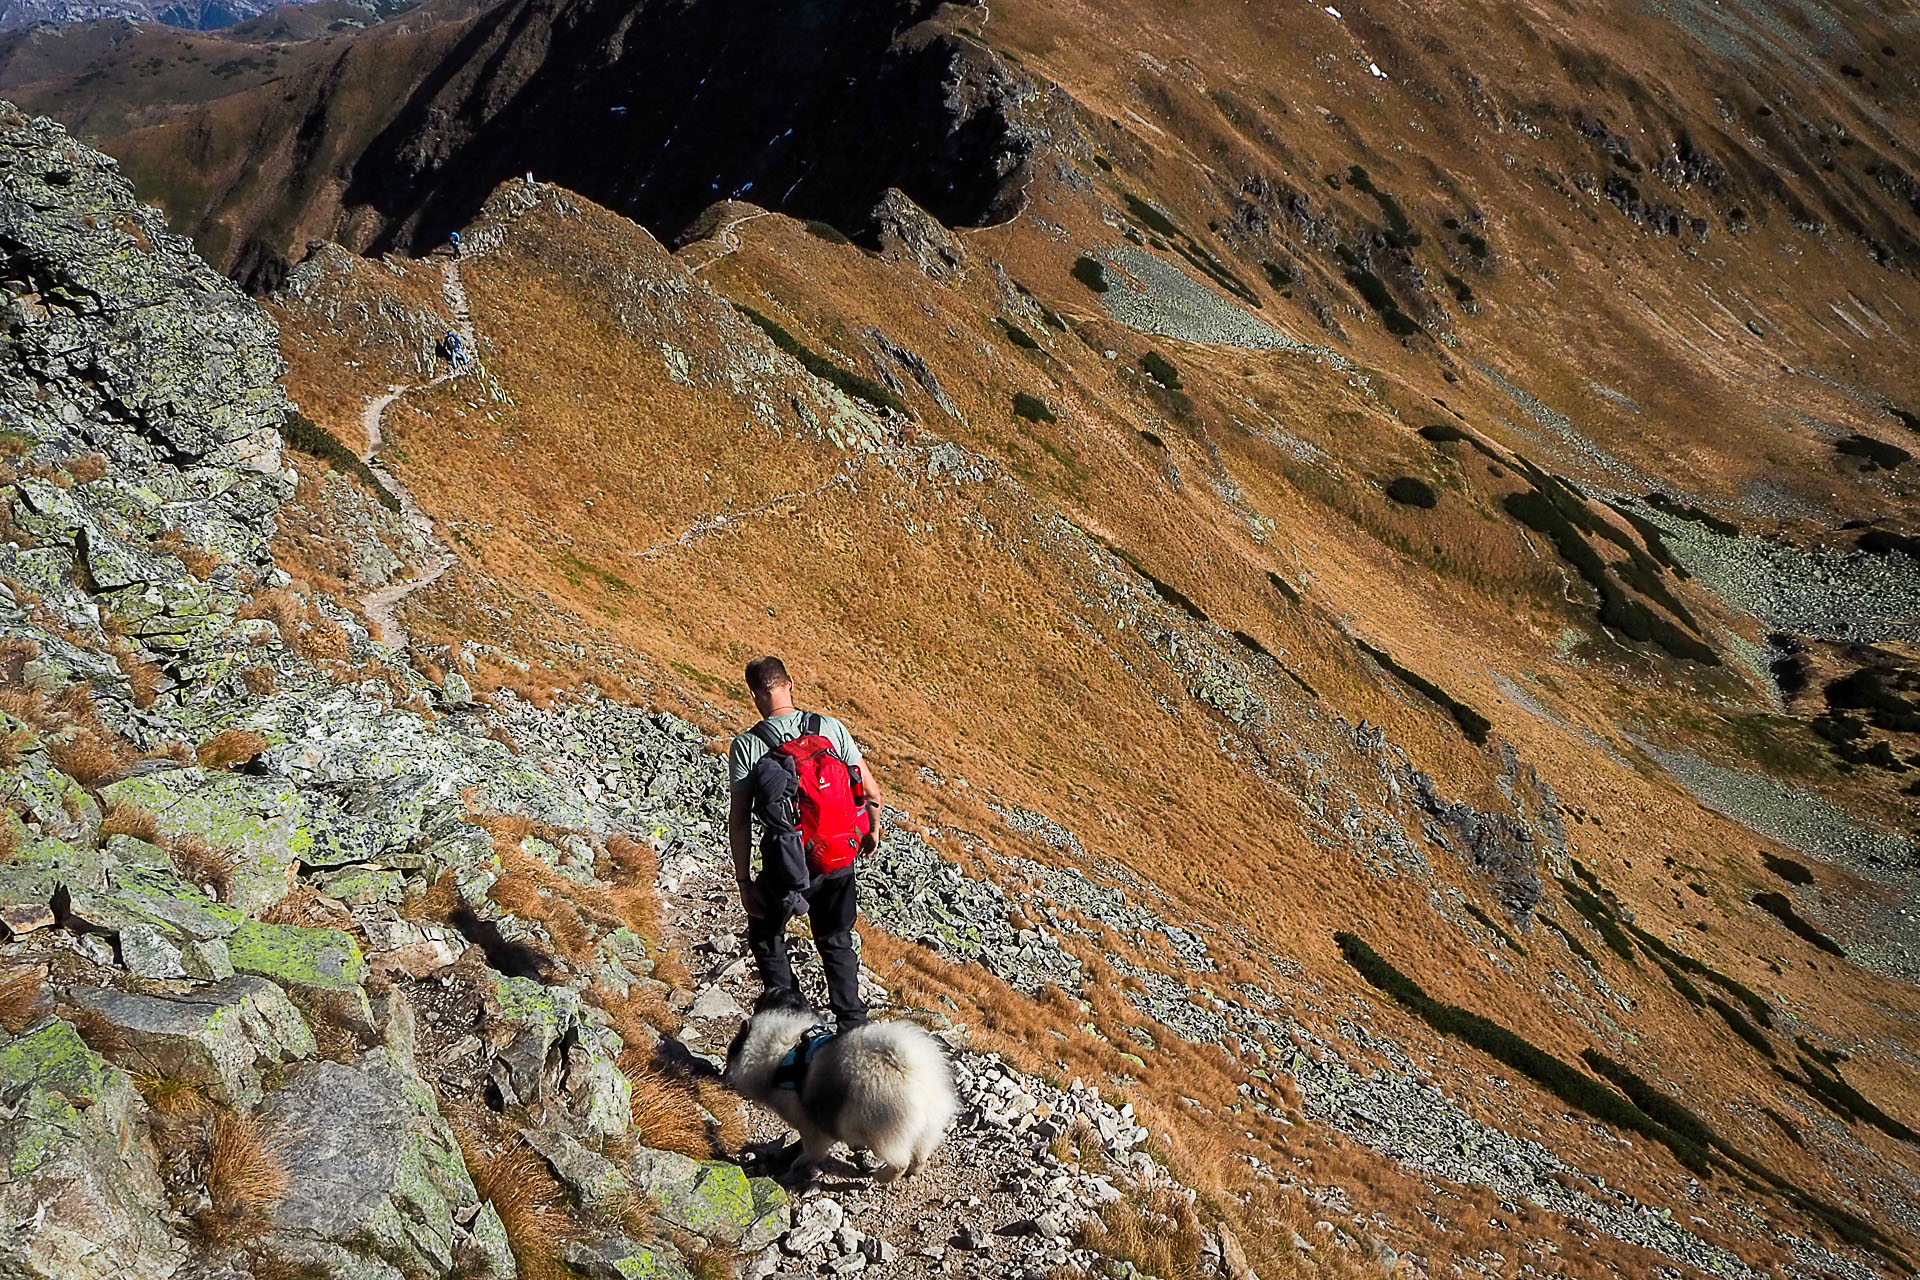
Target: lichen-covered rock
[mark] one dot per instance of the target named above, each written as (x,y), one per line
(322,969)
(218,1036)
(374,1170)
(595,1181)
(619,1258)
(712,1198)
(81,1197)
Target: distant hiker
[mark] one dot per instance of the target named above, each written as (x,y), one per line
(799,773)
(456,350)
(453,243)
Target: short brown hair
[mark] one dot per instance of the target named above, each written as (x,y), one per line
(764,673)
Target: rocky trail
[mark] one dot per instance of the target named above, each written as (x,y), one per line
(381,602)
(1025,1164)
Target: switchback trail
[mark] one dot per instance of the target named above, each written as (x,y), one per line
(380,603)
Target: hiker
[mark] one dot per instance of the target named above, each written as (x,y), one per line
(456,349)
(800,774)
(453,243)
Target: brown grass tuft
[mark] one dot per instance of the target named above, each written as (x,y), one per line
(87,468)
(15,653)
(15,745)
(245,1178)
(85,756)
(24,996)
(439,902)
(231,747)
(199,561)
(130,820)
(1157,1231)
(203,863)
(666,1113)
(173,1099)
(530,1202)
(143,677)
(260,681)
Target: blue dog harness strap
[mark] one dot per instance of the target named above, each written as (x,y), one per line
(792,1069)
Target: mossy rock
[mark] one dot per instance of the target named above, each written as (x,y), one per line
(711,1198)
(321,969)
(61,806)
(618,1258)
(159,897)
(264,822)
(42,865)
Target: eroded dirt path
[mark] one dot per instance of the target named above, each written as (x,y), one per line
(380,603)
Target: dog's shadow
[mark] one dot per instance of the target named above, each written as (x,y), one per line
(779,1159)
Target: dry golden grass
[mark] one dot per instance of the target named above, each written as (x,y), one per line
(121,819)
(202,863)
(727,1109)
(1157,1231)
(198,560)
(666,1112)
(231,747)
(171,1098)
(530,1203)
(86,757)
(260,681)
(304,629)
(245,1178)
(143,677)
(87,467)
(14,746)
(440,900)
(709,1260)
(24,996)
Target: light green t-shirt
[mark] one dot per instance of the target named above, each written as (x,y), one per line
(747,747)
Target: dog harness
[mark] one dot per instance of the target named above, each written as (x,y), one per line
(792,1069)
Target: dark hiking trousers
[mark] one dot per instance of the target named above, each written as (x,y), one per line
(831,908)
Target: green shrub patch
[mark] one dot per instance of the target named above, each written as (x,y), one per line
(1911,421)
(1787,869)
(1600,916)
(1880,692)
(1572,1087)
(1409,492)
(1032,408)
(1089,272)
(1876,453)
(1488,922)
(307,436)
(1759,1009)
(820,367)
(1284,587)
(1279,274)
(1882,542)
(1016,335)
(1553,508)
(1682,511)
(1824,1083)
(1442,433)
(1777,906)
(1161,370)
(1472,724)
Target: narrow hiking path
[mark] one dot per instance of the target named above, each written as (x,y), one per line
(1000,1198)
(729,242)
(380,603)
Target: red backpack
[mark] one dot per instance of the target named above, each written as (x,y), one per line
(830,794)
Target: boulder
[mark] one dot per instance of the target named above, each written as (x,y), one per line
(218,1036)
(712,1198)
(619,1258)
(82,1198)
(595,1181)
(373,1170)
(322,969)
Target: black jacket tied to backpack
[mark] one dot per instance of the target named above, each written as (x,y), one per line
(784,876)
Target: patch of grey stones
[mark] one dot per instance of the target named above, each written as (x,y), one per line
(1154,296)
(1842,596)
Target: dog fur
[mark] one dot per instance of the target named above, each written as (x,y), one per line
(884,1087)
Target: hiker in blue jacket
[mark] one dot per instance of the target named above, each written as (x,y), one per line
(785,888)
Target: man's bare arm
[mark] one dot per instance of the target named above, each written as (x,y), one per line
(740,845)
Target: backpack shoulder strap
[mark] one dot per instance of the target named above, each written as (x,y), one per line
(809,723)
(764,732)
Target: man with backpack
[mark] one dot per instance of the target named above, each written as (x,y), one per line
(800,774)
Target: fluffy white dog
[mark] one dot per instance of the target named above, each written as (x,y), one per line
(884,1087)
